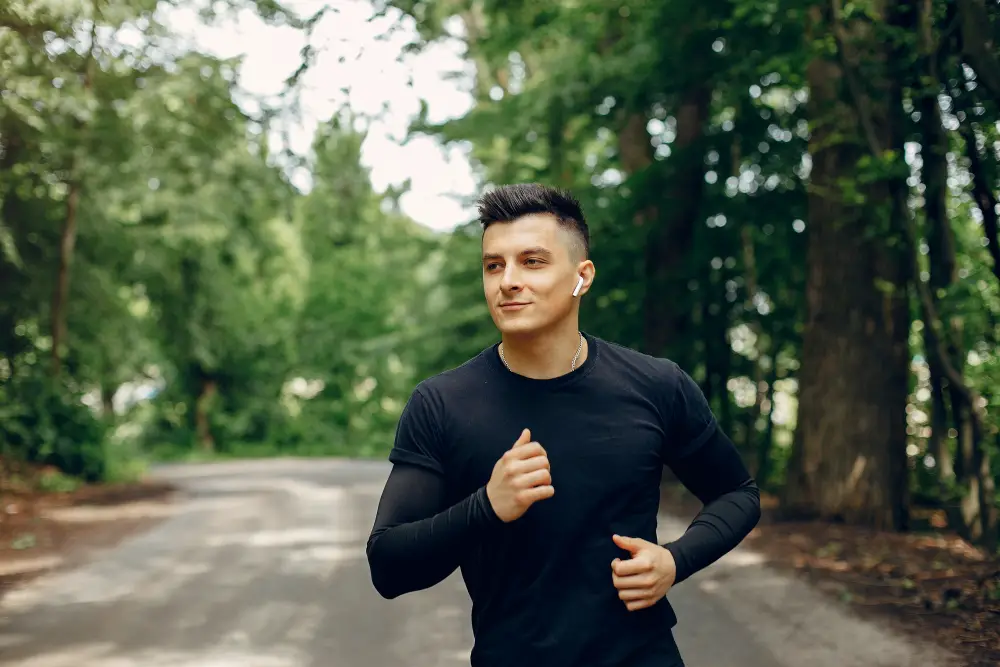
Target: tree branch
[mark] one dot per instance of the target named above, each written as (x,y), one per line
(24,28)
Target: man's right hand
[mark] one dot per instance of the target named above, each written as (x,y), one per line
(520,478)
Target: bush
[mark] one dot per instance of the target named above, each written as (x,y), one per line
(46,423)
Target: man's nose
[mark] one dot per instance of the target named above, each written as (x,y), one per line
(510,282)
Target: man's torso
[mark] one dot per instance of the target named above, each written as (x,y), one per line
(543,582)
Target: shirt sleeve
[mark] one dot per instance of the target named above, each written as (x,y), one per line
(708,464)
(419,441)
(418,539)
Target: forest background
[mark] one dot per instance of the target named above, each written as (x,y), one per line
(796,201)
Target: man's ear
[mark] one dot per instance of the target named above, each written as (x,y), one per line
(586,271)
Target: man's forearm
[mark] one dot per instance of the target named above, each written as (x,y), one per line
(410,555)
(715,473)
(716,530)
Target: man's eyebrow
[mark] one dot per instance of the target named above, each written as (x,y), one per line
(537,250)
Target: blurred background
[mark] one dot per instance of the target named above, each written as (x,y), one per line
(245,229)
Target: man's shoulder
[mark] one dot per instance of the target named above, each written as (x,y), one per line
(674,391)
(461,378)
(660,378)
(620,357)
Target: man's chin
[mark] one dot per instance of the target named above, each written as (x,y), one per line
(515,326)
(509,324)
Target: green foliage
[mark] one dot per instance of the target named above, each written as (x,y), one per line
(267,321)
(46,422)
(557,86)
(197,271)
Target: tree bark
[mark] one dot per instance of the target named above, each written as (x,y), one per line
(940,239)
(849,461)
(671,239)
(937,443)
(203,429)
(754,323)
(765,459)
(978,516)
(67,241)
(634,149)
(108,401)
(971,467)
(977,43)
(713,332)
(982,192)
(990,515)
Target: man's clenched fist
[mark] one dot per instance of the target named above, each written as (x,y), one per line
(643,579)
(520,478)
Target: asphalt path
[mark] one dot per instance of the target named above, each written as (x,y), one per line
(262,564)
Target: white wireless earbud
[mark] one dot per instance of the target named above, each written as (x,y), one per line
(579,284)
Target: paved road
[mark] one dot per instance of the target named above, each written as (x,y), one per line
(262,564)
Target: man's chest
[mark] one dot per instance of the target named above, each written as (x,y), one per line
(599,448)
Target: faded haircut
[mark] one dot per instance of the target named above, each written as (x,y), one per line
(510,202)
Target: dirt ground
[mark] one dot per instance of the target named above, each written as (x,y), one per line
(33,542)
(930,586)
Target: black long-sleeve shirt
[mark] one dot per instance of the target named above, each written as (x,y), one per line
(541,585)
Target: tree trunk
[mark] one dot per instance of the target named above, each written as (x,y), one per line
(765,449)
(713,334)
(978,46)
(708,384)
(849,461)
(971,468)
(108,401)
(203,430)
(940,239)
(990,517)
(67,241)
(938,441)
(750,307)
(723,361)
(982,192)
(635,152)
(671,239)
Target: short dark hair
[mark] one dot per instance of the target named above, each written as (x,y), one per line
(510,202)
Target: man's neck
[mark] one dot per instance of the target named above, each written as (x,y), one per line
(543,356)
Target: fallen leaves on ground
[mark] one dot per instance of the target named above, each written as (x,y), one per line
(31,542)
(931,586)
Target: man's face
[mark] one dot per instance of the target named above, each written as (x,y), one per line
(530,268)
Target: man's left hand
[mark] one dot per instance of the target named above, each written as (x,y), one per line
(645,578)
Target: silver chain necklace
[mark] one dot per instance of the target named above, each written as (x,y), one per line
(572,366)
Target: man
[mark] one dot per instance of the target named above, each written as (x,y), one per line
(535,466)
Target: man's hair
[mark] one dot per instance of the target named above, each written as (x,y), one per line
(510,202)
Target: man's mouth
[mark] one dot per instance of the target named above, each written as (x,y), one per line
(513,305)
